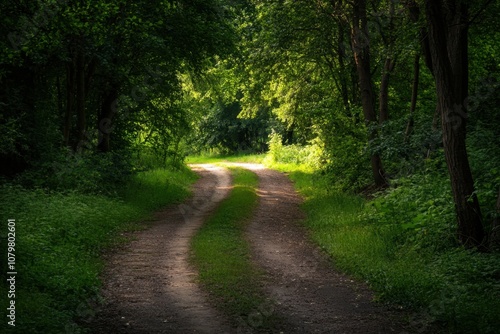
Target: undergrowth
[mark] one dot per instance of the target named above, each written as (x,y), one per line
(59,239)
(403,244)
(217,158)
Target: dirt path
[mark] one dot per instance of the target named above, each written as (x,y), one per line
(149,286)
(308,294)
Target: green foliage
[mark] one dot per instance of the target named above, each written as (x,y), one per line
(309,155)
(221,253)
(403,245)
(223,131)
(60,237)
(216,158)
(88,172)
(421,208)
(129,57)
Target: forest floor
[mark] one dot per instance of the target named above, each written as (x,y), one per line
(149,286)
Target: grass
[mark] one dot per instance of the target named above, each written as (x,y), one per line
(221,253)
(59,240)
(206,159)
(458,290)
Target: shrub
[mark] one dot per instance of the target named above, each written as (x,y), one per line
(309,155)
(88,172)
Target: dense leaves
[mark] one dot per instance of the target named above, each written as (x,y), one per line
(101,75)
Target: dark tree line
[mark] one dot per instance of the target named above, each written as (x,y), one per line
(83,74)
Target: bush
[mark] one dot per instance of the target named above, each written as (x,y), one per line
(421,208)
(88,172)
(309,155)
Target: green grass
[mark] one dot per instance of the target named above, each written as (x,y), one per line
(205,159)
(221,253)
(457,289)
(59,240)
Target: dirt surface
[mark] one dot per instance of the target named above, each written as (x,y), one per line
(149,286)
(304,288)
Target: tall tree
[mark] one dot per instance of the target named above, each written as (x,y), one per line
(361,49)
(448,24)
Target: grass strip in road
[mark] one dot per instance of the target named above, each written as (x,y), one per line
(221,253)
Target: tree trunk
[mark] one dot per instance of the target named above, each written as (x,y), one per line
(70,98)
(344,90)
(389,64)
(494,238)
(80,101)
(414,95)
(384,90)
(448,28)
(105,119)
(361,49)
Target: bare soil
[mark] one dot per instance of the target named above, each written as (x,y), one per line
(149,287)
(304,288)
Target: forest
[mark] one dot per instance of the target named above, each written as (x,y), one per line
(383,112)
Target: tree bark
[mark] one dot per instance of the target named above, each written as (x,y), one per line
(494,239)
(414,95)
(361,49)
(105,119)
(80,101)
(70,98)
(389,64)
(384,90)
(344,91)
(448,28)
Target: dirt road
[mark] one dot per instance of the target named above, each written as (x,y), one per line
(307,292)
(149,286)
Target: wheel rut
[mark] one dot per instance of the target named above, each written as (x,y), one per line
(148,286)
(307,293)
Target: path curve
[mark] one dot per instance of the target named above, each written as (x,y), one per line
(149,286)
(307,292)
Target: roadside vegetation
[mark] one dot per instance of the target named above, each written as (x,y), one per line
(222,255)
(60,238)
(208,158)
(402,242)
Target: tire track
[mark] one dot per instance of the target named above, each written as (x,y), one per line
(308,294)
(149,286)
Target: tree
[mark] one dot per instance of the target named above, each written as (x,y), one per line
(94,69)
(448,26)
(361,50)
